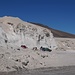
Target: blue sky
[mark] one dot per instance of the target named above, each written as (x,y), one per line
(58,14)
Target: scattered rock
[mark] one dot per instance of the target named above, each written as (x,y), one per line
(35,48)
(43,56)
(1,56)
(41,63)
(38,53)
(25,63)
(6,41)
(18,49)
(8,67)
(18,60)
(15,67)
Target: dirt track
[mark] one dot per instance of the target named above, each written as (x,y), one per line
(48,71)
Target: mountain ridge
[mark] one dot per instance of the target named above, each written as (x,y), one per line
(56,33)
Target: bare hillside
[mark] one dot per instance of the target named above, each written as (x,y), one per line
(57,33)
(25,45)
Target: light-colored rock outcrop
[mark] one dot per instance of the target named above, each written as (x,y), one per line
(14,32)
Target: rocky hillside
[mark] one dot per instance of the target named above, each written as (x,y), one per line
(20,44)
(15,32)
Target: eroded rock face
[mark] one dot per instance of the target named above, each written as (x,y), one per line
(18,31)
(15,33)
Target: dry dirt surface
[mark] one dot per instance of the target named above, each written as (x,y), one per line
(69,70)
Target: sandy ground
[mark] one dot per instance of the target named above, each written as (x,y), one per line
(12,60)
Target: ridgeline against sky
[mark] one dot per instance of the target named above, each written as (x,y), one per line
(58,14)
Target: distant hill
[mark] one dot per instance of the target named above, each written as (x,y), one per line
(57,33)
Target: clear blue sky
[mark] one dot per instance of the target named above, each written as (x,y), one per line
(58,14)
